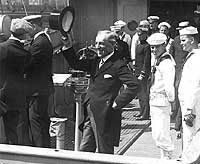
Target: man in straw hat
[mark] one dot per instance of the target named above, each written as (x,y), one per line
(40,82)
(161,94)
(12,93)
(189,87)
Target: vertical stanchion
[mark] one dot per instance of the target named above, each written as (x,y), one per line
(78,113)
(58,129)
(79,84)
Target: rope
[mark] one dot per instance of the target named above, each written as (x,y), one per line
(1,6)
(24,7)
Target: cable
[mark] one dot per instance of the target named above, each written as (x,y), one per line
(24,7)
(1,7)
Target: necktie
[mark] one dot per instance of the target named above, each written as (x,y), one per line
(101,63)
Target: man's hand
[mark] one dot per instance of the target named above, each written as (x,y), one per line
(178,135)
(140,77)
(114,106)
(68,41)
(189,118)
(131,67)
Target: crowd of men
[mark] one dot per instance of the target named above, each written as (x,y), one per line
(160,71)
(26,82)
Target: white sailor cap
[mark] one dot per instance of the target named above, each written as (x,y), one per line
(183,25)
(143,25)
(188,31)
(115,28)
(33,18)
(20,26)
(120,23)
(164,24)
(197,11)
(157,39)
(153,18)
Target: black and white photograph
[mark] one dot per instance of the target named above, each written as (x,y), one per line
(99,81)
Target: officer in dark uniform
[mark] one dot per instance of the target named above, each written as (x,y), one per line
(142,71)
(40,82)
(12,92)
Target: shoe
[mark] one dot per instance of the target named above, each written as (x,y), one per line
(166,155)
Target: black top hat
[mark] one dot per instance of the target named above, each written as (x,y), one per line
(62,21)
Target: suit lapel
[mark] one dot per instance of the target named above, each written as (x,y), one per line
(104,67)
(95,67)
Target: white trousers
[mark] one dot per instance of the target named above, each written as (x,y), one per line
(160,123)
(190,132)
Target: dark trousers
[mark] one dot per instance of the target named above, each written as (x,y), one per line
(39,120)
(91,140)
(143,96)
(23,128)
(176,104)
(10,125)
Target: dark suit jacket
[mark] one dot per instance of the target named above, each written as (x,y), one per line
(13,59)
(104,87)
(143,59)
(124,50)
(178,121)
(39,73)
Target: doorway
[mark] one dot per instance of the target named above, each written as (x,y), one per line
(173,11)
